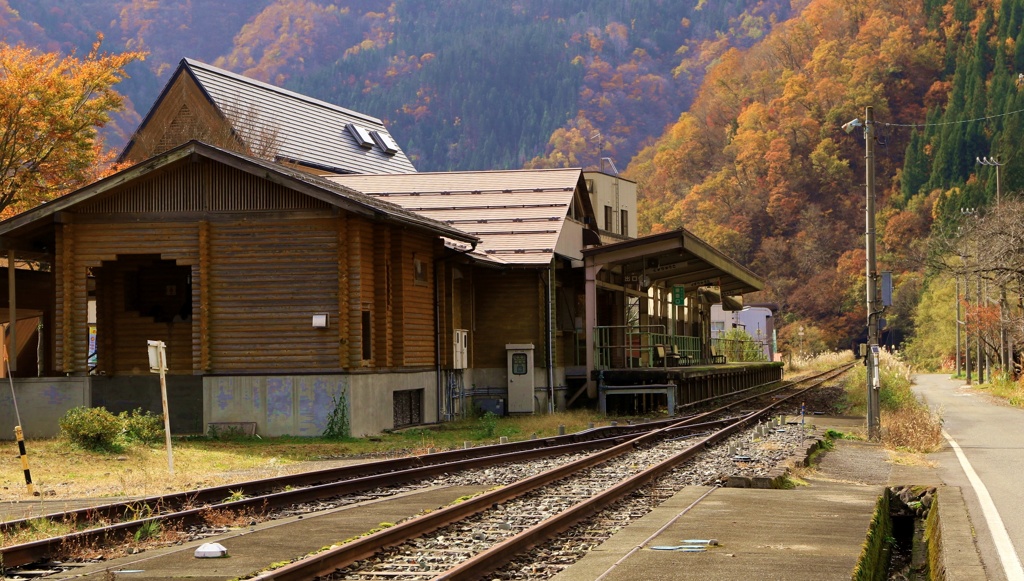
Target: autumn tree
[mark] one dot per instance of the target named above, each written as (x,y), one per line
(50,109)
(986,249)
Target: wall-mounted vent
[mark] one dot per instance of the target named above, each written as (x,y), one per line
(385,142)
(361,135)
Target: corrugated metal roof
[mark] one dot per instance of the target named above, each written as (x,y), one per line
(308,131)
(517,214)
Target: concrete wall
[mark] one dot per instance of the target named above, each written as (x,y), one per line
(126,393)
(41,402)
(371,403)
(299,405)
(279,405)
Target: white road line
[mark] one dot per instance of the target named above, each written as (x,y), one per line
(1007,554)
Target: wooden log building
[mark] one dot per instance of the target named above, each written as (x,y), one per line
(294,260)
(275,292)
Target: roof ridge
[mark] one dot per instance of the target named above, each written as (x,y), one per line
(473,171)
(192,63)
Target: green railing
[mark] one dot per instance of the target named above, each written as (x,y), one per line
(624,347)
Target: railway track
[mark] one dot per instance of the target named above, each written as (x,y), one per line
(477,536)
(188,508)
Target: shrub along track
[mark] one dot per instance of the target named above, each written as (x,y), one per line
(189,508)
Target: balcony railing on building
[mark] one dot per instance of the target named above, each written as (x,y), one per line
(651,346)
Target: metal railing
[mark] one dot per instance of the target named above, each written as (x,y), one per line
(626,346)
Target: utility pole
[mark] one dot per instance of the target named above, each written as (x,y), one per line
(956,283)
(1005,351)
(981,354)
(874,423)
(967,328)
(980,361)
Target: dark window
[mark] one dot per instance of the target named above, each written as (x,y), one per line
(419,271)
(367,336)
(160,290)
(408,407)
(608,218)
(625,222)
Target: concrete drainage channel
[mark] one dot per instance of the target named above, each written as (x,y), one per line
(903,540)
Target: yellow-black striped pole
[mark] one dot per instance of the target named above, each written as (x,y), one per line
(24,459)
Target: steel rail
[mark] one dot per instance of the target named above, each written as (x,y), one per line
(25,553)
(328,561)
(216,494)
(312,485)
(501,553)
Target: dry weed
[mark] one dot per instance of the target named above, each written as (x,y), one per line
(817,362)
(232,518)
(913,428)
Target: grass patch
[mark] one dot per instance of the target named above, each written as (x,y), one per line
(904,458)
(67,471)
(794,478)
(39,528)
(1012,392)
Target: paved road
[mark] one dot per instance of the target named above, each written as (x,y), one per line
(990,436)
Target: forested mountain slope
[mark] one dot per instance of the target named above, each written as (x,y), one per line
(463,84)
(760,166)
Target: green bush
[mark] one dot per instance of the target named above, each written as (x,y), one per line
(98,429)
(140,426)
(92,428)
(488,424)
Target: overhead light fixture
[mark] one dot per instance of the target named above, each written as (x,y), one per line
(849,126)
(320,320)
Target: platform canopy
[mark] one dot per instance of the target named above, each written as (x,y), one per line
(675,258)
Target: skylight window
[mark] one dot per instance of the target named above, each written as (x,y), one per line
(385,142)
(361,135)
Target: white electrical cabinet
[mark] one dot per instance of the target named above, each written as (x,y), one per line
(460,349)
(520,378)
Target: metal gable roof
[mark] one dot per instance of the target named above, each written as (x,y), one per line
(315,186)
(307,131)
(517,214)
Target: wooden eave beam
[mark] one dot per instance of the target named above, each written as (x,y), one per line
(50,209)
(637,252)
(727,265)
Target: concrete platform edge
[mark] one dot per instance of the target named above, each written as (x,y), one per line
(958,553)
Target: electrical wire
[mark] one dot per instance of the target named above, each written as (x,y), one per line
(988,118)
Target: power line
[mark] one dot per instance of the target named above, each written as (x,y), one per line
(950,122)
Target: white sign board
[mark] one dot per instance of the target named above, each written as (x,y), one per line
(157,356)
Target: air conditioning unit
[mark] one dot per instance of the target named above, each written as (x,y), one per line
(460,349)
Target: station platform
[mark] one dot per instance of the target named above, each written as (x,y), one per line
(811,532)
(671,387)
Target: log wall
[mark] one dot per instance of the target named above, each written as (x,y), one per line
(262,261)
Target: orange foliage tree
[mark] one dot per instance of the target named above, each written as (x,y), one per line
(50,109)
